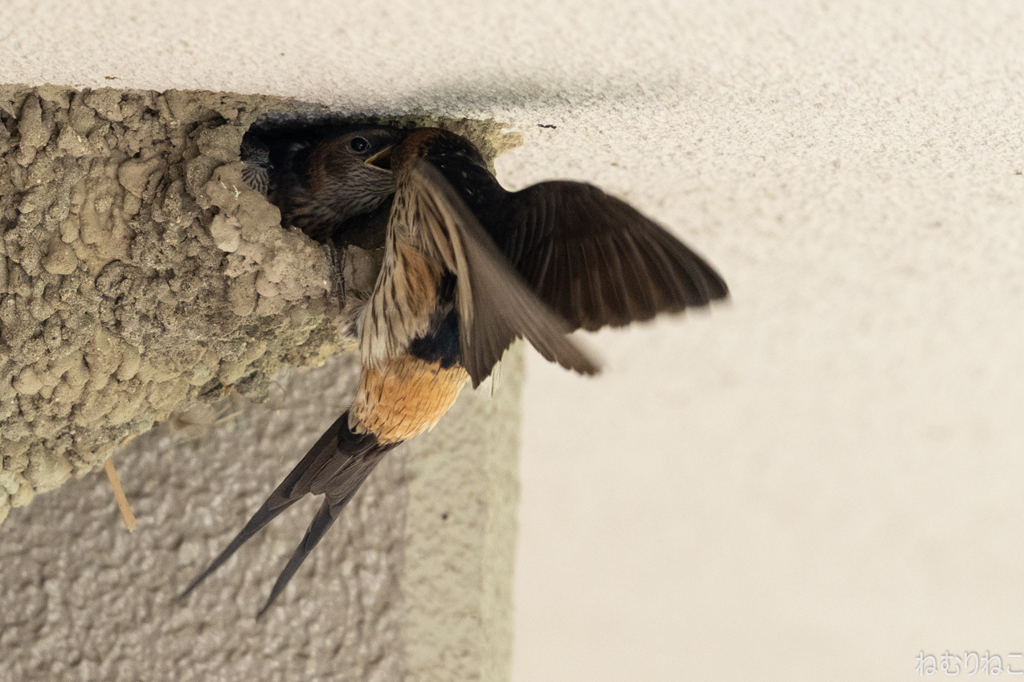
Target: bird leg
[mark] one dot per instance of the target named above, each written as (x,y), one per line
(336,260)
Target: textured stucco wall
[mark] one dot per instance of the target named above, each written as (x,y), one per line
(413,582)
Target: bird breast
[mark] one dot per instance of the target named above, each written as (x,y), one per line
(401,306)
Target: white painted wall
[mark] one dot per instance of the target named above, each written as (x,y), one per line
(817,481)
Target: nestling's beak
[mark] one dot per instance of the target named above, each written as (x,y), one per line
(381,159)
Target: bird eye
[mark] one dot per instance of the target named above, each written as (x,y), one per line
(358,144)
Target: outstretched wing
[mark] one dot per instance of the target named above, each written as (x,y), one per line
(495,305)
(597,261)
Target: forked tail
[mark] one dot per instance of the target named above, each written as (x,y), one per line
(335,467)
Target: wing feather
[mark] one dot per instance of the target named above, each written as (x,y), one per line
(597,261)
(495,306)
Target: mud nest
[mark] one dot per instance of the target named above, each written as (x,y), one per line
(139,275)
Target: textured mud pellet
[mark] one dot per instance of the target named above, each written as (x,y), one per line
(139,275)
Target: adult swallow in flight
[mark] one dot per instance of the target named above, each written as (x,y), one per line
(469,268)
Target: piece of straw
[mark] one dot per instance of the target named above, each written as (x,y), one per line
(122,501)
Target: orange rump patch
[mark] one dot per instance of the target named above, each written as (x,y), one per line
(405,398)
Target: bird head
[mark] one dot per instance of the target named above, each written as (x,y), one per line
(350,174)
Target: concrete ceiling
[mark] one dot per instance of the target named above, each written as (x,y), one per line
(817,481)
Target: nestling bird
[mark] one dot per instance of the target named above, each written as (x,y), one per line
(256,164)
(468,269)
(319,178)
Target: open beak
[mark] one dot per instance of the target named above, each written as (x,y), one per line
(381,159)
